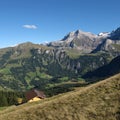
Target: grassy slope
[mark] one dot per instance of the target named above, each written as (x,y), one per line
(100,101)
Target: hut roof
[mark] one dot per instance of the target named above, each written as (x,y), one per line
(35,93)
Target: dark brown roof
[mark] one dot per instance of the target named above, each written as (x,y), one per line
(35,93)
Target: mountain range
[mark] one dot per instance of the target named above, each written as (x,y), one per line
(27,65)
(87,42)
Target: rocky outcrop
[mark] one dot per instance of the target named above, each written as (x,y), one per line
(115,35)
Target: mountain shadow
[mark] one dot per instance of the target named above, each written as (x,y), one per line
(105,71)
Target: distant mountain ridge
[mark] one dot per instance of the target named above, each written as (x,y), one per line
(83,41)
(87,42)
(111,44)
(27,65)
(115,34)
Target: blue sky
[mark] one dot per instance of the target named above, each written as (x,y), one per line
(39,21)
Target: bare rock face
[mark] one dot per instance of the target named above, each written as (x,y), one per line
(83,41)
(115,35)
(86,42)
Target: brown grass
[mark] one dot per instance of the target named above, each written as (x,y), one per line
(99,101)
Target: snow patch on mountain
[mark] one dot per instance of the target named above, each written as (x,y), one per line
(104,34)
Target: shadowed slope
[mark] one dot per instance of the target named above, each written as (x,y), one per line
(105,71)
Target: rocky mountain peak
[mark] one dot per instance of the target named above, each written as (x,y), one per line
(78,34)
(71,33)
(115,35)
(87,42)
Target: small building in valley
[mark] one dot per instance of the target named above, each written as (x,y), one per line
(34,95)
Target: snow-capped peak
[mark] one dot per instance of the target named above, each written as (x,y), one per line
(104,34)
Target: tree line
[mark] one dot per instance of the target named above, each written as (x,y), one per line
(8,98)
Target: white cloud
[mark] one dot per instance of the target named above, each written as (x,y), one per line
(30,26)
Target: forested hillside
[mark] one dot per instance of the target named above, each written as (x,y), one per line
(29,65)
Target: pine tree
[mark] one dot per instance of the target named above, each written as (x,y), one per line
(3,100)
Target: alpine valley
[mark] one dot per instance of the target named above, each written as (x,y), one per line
(72,59)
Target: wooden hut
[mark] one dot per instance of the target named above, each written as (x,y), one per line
(34,95)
